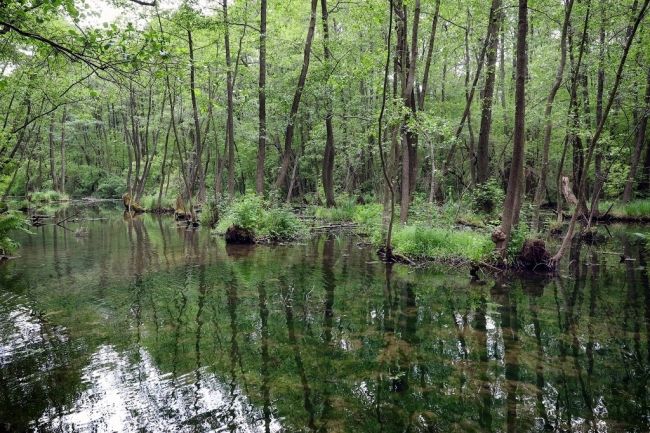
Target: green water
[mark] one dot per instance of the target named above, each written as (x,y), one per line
(143,326)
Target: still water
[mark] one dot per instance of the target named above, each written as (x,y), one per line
(144,326)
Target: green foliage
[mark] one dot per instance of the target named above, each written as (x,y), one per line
(518,236)
(111,186)
(487,197)
(616,179)
(441,243)
(150,202)
(343,211)
(48,196)
(251,212)
(633,209)
(10,221)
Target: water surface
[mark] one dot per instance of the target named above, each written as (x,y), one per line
(145,326)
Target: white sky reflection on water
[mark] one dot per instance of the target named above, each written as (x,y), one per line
(128,395)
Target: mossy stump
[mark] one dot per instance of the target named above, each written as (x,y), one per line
(130,204)
(534,256)
(239,235)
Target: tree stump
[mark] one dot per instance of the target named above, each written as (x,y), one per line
(239,235)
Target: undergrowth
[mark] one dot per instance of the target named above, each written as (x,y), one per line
(266,220)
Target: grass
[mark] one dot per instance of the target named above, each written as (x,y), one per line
(265,220)
(441,243)
(150,202)
(634,209)
(48,196)
(419,239)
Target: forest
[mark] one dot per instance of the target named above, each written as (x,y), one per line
(313,216)
(405,118)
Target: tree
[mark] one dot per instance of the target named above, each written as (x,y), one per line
(512,202)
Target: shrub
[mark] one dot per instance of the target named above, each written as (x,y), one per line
(440,243)
(487,197)
(9,222)
(518,236)
(111,187)
(252,213)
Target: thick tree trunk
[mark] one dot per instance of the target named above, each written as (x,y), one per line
(512,201)
(261,146)
(288,133)
(328,157)
(483,148)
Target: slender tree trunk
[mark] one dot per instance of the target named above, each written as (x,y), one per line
(427,64)
(328,157)
(594,139)
(640,141)
(261,147)
(600,86)
(63,118)
(55,183)
(195,166)
(408,97)
(230,132)
(483,148)
(468,103)
(540,191)
(388,248)
(288,133)
(512,202)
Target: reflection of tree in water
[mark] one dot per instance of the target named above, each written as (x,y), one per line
(324,338)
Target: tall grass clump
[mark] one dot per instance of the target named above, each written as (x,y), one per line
(637,208)
(343,212)
(150,202)
(441,243)
(266,221)
(48,196)
(634,209)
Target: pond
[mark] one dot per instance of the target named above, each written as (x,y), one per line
(145,326)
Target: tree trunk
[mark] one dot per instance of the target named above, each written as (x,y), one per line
(540,191)
(427,64)
(640,141)
(230,130)
(261,147)
(288,133)
(408,98)
(55,183)
(594,140)
(63,117)
(195,165)
(328,157)
(512,201)
(483,148)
